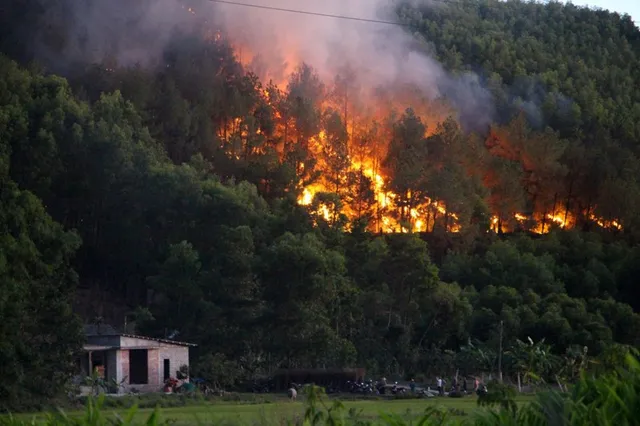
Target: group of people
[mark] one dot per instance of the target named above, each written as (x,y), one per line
(455,386)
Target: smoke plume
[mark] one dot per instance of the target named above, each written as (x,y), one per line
(380,55)
(272,43)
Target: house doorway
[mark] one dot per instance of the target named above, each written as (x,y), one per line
(99,364)
(167,369)
(139,366)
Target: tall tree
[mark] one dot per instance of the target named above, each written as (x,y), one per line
(406,164)
(40,334)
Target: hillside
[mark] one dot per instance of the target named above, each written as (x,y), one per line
(307,214)
(539,52)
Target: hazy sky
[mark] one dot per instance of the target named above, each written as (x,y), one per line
(632,7)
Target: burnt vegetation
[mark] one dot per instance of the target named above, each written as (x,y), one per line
(287,226)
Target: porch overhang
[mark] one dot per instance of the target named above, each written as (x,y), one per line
(95,348)
(98,348)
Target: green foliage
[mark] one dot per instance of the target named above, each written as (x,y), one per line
(576,51)
(555,72)
(608,399)
(176,400)
(182,183)
(283,293)
(217,370)
(498,395)
(39,332)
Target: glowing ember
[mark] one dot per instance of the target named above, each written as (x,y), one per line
(611,224)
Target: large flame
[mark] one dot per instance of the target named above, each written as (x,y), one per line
(360,111)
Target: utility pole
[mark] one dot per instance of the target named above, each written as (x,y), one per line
(500,352)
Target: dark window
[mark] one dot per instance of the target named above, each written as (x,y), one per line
(139,366)
(167,369)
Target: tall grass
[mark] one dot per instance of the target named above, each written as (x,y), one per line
(608,400)
(612,399)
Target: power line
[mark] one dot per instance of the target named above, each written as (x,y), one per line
(303,12)
(329,15)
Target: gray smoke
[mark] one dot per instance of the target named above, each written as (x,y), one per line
(120,31)
(380,55)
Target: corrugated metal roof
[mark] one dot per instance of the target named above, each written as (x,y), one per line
(97,348)
(167,341)
(133,348)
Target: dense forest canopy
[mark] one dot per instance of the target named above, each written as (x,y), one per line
(316,222)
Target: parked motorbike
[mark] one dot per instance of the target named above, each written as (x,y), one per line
(482,390)
(398,390)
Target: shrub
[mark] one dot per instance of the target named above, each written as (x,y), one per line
(499,394)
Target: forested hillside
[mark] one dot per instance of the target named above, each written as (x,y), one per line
(566,67)
(578,67)
(312,223)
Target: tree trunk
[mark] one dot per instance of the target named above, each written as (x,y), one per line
(519,384)
(544,221)
(286,131)
(568,203)
(435,219)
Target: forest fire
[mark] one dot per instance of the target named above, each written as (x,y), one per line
(359,157)
(364,156)
(540,223)
(361,152)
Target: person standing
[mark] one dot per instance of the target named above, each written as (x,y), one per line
(292,393)
(412,385)
(440,386)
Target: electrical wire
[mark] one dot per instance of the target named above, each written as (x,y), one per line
(329,15)
(326,15)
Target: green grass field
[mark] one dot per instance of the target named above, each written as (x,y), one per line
(282,411)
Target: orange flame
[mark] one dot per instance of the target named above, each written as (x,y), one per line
(421,218)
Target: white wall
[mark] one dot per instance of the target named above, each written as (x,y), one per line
(132,342)
(158,352)
(177,355)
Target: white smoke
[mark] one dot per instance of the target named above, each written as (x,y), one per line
(381,55)
(377,52)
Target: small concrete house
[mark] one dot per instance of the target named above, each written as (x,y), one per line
(138,362)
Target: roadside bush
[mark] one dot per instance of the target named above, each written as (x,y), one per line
(499,395)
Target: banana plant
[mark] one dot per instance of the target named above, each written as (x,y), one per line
(533,361)
(476,357)
(96,382)
(573,364)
